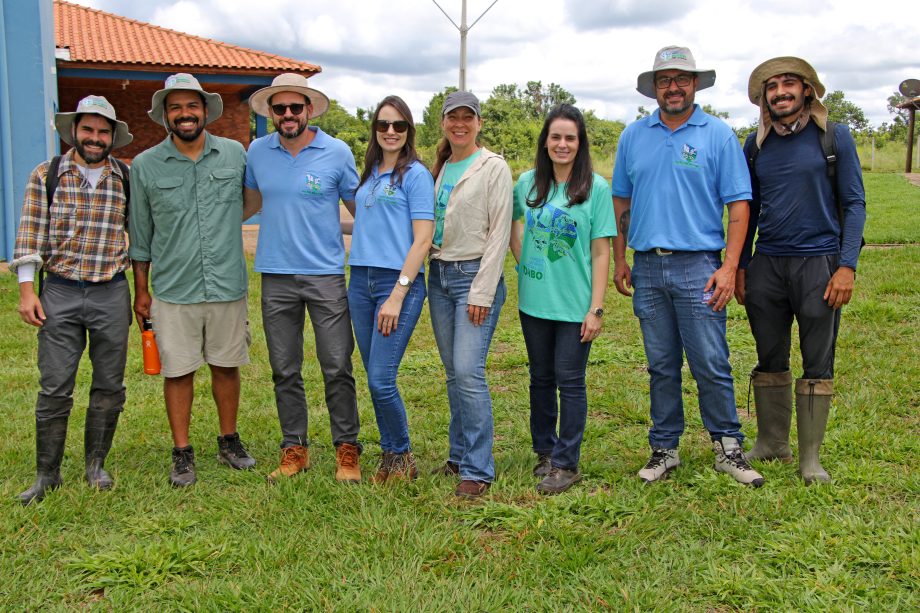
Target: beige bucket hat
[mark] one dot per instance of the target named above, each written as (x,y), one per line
(288,82)
(184,81)
(778,66)
(97,105)
(673,58)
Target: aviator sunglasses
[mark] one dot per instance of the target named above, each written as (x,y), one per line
(399,126)
(296,109)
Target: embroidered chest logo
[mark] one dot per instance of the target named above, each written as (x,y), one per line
(313,186)
(389,190)
(688,155)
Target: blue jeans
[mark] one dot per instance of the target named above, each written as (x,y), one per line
(463,348)
(674,317)
(368,289)
(558,360)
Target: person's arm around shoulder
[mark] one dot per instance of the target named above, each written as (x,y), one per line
(499,204)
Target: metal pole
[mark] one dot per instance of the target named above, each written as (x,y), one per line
(910,138)
(463,31)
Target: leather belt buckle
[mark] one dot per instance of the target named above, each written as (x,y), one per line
(660,251)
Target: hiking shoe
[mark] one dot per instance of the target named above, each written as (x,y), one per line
(347,468)
(558,480)
(447,469)
(730,459)
(660,465)
(402,467)
(469,489)
(232,453)
(183,467)
(544,465)
(294,459)
(383,470)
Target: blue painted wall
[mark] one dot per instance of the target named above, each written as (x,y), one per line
(28,99)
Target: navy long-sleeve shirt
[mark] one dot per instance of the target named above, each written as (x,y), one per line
(793,208)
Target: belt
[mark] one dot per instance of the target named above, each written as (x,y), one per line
(660,251)
(59,280)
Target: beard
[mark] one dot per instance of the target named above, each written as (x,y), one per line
(790,111)
(685,104)
(92,158)
(290,133)
(187,135)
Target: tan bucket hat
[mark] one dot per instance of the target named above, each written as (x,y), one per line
(184,81)
(673,58)
(782,65)
(288,82)
(97,105)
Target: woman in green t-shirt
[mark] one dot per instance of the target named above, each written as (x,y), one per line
(563,221)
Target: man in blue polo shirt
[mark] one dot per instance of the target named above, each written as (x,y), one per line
(675,172)
(296,176)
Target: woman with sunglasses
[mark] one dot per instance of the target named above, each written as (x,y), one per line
(394,212)
(465,284)
(563,221)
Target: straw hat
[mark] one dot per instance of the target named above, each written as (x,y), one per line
(288,82)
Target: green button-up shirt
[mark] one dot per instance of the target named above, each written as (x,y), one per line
(186,219)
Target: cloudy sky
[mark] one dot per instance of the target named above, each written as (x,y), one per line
(593,48)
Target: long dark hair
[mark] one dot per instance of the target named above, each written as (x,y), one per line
(374,153)
(578,187)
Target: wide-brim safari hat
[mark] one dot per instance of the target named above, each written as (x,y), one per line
(778,66)
(97,105)
(673,58)
(288,82)
(183,81)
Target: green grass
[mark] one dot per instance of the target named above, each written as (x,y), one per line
(698,542)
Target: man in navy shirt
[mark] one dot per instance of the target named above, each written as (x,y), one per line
(809,221)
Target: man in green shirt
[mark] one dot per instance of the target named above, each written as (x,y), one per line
(185,220)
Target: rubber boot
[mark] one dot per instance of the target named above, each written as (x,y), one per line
(97,440)
(773,403)
(813,405)
(50,436)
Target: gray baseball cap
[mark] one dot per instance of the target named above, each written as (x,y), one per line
(673,58)
(455,100)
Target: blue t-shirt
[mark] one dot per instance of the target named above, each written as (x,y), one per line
(384,213)
(300,233)
(679,181)
(452,174)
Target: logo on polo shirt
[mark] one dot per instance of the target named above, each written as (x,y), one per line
(688,154)
(389,190)
(313,186)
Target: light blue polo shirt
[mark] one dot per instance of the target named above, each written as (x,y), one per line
(300,232)
(679,181)
(384,213)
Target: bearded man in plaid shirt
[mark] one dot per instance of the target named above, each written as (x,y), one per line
(78,242)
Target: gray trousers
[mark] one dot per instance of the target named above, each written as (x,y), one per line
(285,301)
(778,289)
(103,314)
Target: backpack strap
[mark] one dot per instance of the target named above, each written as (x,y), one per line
(51,179)
(125,183)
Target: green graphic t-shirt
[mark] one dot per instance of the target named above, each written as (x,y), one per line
(554,276)
(452,174)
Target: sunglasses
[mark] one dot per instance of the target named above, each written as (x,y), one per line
(296,109)
(399,126)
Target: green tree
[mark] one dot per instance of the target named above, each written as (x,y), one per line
(642,112)
(429,131)
(841,110)
(603,134)
(341,124)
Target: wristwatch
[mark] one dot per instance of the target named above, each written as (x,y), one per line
(404,281)
(597,312)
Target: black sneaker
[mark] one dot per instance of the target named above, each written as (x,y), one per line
(230,452)
(183,467)
(558,480)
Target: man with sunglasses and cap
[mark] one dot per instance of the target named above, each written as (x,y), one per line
(676,171)
(187,246)
(297,176)
(810,211)
(77,240)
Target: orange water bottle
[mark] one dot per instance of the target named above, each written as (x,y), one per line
(151,353)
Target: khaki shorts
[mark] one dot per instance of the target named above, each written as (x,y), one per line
(189,335)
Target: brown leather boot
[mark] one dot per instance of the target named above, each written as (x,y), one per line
(402,467)
(347,467)
(294,459)
(383,471)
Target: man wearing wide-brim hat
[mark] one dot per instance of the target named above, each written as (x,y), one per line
(676,171)
(77,240)
(810,209)
(185,223)
(297,176)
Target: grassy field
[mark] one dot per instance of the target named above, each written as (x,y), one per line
(698,542)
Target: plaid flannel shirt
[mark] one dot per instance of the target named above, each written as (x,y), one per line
(82,236)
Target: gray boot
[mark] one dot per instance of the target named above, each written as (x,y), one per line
(50,436)
(773,403)
(813,405)
(97,440)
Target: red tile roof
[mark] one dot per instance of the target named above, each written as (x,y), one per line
(95,37)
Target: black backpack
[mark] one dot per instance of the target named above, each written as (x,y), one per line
(828,146)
